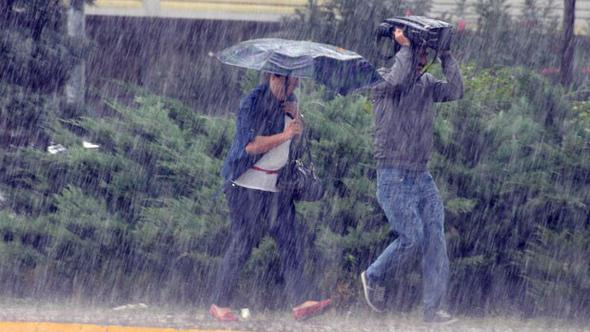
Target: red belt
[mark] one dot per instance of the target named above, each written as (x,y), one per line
(267,171)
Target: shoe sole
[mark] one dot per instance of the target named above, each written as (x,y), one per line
(318,309)
(228,317)
(366,292)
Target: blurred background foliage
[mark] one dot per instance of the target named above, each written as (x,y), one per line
(140,217)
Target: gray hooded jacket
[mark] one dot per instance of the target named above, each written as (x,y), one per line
(404,116)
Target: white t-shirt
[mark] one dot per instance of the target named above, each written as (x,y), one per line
(263,175)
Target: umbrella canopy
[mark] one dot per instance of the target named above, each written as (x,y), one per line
(337,68)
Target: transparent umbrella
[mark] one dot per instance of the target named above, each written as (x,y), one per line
(339,69)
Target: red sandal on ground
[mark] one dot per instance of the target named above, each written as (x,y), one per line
(222,314)
(310,309)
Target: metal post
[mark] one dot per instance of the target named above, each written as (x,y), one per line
(567,50)
(76,85)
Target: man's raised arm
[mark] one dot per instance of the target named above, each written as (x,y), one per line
(452,88)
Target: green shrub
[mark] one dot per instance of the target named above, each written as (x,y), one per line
(510,160)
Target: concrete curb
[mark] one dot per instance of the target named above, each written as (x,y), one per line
(73,327)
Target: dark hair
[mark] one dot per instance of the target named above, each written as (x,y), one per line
(265,77)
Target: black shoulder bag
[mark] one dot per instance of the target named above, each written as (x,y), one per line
(300,179)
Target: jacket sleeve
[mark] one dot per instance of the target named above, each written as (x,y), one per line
(401,73)
(246,129)
(452,88)
(238,159)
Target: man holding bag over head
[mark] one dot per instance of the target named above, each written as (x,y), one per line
(405,189)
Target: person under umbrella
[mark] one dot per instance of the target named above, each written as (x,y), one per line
(268,135)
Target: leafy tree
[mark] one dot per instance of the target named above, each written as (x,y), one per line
(349,23)
(497,39)
(37,59)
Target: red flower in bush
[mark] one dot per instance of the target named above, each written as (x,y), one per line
(461,25)
(549,71)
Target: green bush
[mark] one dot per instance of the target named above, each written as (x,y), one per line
(135,211)
(137,217)
(514,155)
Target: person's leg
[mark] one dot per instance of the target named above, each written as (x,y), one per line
(435,261)
(289,237)
(289,241)
(248,212)
(395,194)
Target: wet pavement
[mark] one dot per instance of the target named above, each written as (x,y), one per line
(357,319)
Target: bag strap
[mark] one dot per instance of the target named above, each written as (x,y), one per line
(306,147)
(308,152)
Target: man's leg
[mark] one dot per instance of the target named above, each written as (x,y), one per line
(248,218)
(435,261)
(397,199)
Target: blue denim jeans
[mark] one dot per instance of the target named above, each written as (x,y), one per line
(414,210)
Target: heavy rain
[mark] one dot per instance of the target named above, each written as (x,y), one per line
(295,165)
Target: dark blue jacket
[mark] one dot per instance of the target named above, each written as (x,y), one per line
(259,114)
